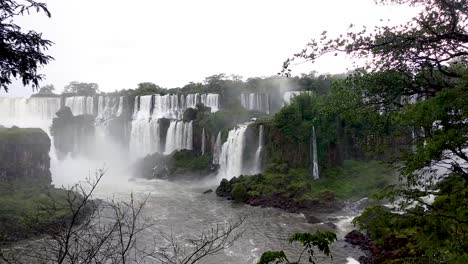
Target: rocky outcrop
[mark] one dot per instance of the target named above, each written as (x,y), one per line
(24,155)
(326,202)
(180,165)
(73,134)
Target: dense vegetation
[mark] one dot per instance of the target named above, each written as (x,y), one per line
(293,189)
(411,96)
(25,209)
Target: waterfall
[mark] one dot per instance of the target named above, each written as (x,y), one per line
(167,106)
(120,106)
(217,149)
(203,142)
(231,158)
(37,109)
(211,100)
(107,108)
(288,96)
(80,105)
(145,137)
(142,109)
(191,100)
(145,132)
(256,102)
(314,165)
(258,154)
(179,136)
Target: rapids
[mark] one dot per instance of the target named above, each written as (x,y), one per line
(183,209)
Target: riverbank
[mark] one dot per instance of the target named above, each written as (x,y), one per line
(292,190)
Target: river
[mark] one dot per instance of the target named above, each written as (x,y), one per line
(183,209)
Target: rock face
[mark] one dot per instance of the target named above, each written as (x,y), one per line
(324,204)
(72,134)
(179,165)
(24,155)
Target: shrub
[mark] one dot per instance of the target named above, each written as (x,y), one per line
(239,193)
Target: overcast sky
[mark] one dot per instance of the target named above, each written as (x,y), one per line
(119,44)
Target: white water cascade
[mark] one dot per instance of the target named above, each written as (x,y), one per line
(173,105)
(108,107)
(288,96)
(258,154)
(231,158)
(217,149)
(120,108)
(34,111)
(203,142)
(179,136)
(211,100)
(315,168)
(145,132)
(256,102)
(80,105)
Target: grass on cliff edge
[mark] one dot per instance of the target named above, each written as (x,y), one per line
(353,181)
(29,204)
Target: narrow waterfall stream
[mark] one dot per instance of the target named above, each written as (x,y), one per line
(217,149)
(203,142)
(315,165)
(258,154)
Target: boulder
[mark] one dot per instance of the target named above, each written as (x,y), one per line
(24,155)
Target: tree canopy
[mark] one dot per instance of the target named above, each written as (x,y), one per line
(22,52)
(410,101)
(81,88)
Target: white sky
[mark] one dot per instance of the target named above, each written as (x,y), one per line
(119,44)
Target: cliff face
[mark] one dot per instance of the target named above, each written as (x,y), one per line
(24,155)
(73,134)
(279,149)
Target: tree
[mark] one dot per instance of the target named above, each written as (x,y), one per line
(321,240)
(79,88)
(419,50)
(22,53)
(412,95)
(47,89)
(146,88)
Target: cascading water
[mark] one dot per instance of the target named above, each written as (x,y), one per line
(35,109)
(107,108)
(256,102)
(80,105)
(145,131)
(217,149)
(179,136)
(203,142)
(315,168)
(144,135)
(288,96)
(231,158)
(211,100)
(120,106)
(258,154)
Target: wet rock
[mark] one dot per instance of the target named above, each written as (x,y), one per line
(208,191)
(357,238)
(312,219)
(330,225)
